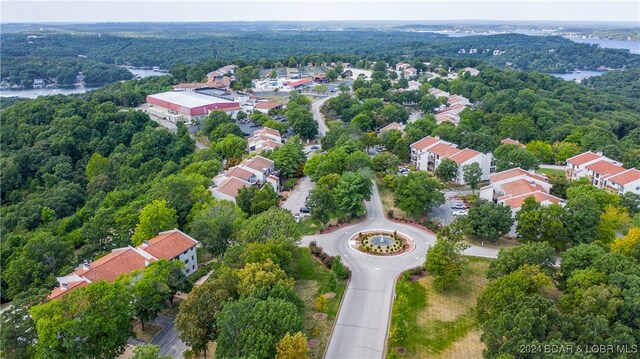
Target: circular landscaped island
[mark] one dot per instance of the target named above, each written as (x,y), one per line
(381,242)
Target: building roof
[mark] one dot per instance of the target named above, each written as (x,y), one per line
(392,126)
(514,172)
(520,187)
(169,244)
(464,155)
(437,92)
(626,177)
(258,163)
(425,142)
(516,202)
(61,290)
(300,82)
(268,105)
(605,168)
(583,158)
(231,186)
(509,141)
(267,131)
(189,99)
(119,261)
(444,150)
(238,172)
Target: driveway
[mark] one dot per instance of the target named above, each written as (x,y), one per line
(362,323)
(167,339)
(298,195)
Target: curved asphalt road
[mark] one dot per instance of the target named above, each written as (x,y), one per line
(317,115)
(361,326)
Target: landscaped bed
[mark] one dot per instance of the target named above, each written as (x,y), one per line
(382,243)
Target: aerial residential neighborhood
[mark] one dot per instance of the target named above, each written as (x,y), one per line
(269,180)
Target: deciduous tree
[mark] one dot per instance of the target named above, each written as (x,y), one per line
(292,347)
(417,193)
(154,218)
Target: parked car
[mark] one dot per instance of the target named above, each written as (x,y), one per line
(315,147)
(458,205)
(460,212)
(304,210)
(296,217)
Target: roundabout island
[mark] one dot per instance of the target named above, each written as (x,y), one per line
(381,242)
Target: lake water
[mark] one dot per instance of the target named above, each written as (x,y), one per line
(573,76)
(33,93)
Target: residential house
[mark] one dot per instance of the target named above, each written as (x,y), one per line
(624,182)
(254,171)
(264,139)
(428,153)
(437,93)
(512,187)
(401,66)
(392,126)
(410,73)
(171,245)
(293,73)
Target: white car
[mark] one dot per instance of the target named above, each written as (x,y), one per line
(458,205)
(460,212)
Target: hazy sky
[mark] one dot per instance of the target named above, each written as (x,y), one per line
(308,10)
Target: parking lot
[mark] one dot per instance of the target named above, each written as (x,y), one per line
(444,213)
(298,196)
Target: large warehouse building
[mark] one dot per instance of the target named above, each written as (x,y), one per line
(187,106)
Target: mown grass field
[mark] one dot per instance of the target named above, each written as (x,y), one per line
(442,324)
(311,278)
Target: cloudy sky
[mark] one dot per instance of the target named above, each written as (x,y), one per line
(310,10)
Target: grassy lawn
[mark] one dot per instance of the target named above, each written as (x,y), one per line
(149,331)
(310,278)
(307,226)
(502,243)
(443,324)
(387,197)
(552,172)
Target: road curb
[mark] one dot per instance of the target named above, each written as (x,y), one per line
(333,327)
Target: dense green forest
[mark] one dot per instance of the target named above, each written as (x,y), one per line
(541,53)
(623,83)
(23,70)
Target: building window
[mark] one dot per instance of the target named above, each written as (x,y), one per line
(193,266)
(192,257)
(186,261)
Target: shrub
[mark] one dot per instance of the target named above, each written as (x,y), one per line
(339,269)
(288,184)
(322,303)
(331,282)
(390,213)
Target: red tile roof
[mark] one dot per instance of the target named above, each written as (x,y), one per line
(509,141)
(114,264)
(240,173)
(168,245)
(425,142)
(583,158)
(516,202)
(520,187)
(60,291)
(258,163)
(268,105)
(605,168)
(300,82)
(626,177)
(444,150)
(514,172)
(392,126)
(464,155)
(267,131)
(231,186)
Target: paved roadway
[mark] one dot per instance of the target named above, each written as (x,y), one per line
(317,115)
(361,326)
(298,195)
(167,339)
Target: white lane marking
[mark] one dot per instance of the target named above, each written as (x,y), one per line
(376,268)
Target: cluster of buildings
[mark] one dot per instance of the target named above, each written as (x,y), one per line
(513,186)
(495,52)
(264,139)
(171,245)
(254,171)
(428,153)
(455,105)
(603,172)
